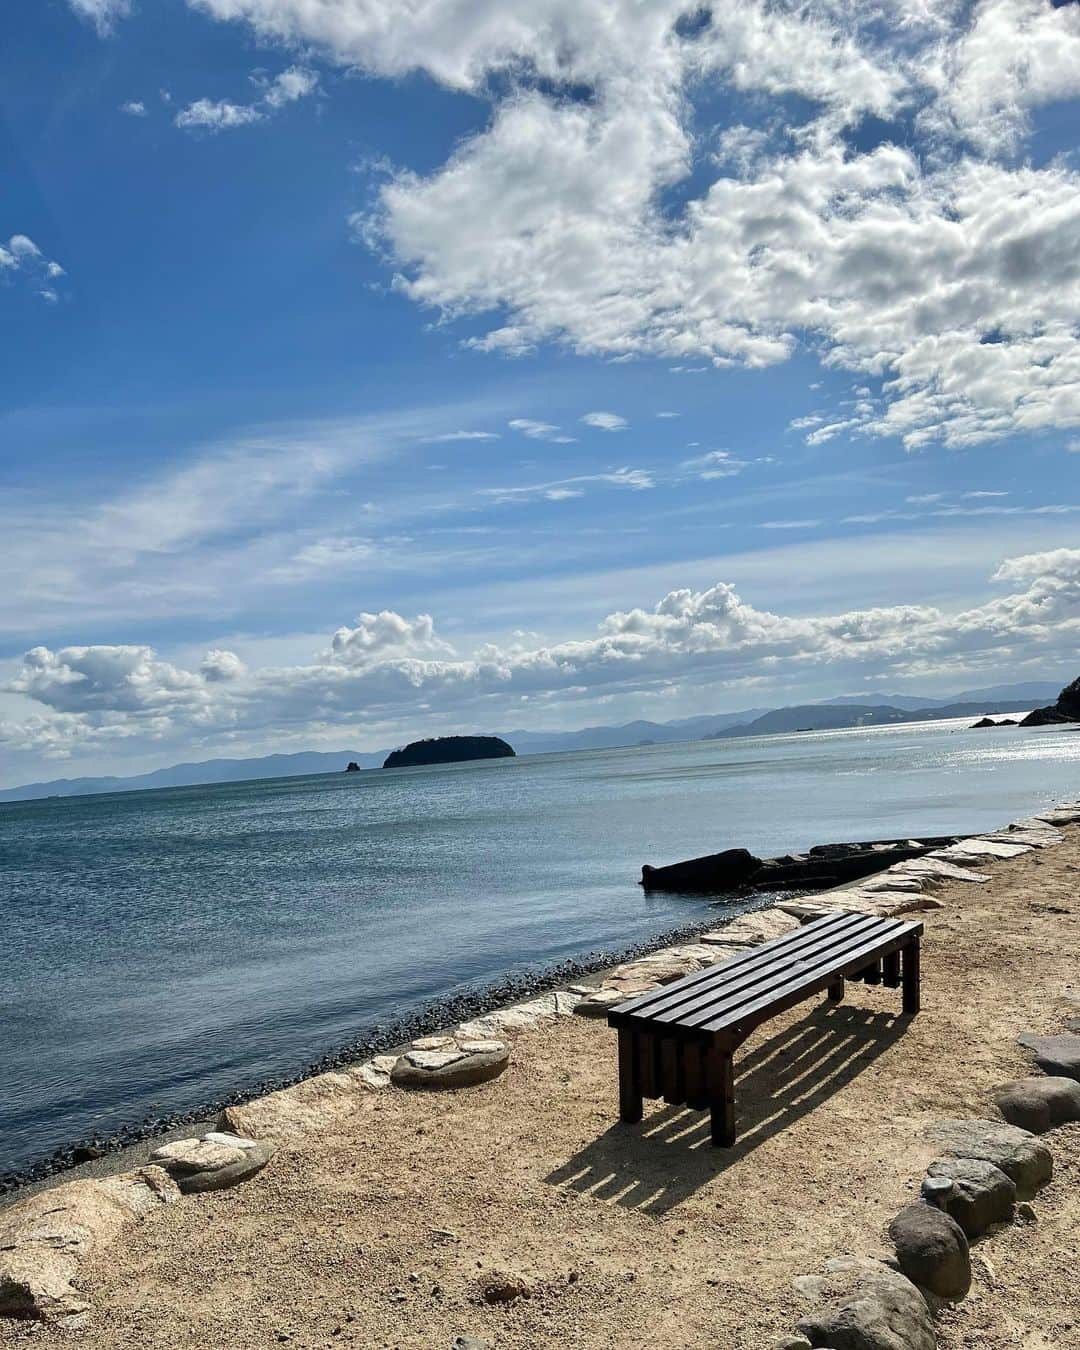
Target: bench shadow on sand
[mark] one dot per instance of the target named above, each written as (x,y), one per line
(659,1163)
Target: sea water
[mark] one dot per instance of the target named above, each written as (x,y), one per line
(159,950)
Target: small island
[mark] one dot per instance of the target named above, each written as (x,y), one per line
(448,750)
(352,767)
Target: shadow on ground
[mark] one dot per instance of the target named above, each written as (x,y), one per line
(659,1163)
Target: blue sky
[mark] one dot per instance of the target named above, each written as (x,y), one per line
(502,364)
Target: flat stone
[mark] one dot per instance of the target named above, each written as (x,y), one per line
(869,1306)
(544,1005)
(1039,1104)
(1055,1055)
(433,1043)
(979,1193)
(432,1059)
(1047,837)
(598,1003)
(446,1069)
(512,1019)
(934,869)
(566,1001)
(307,1107)
(229,1140)
(479,1029)
(650,972)
(480,1047)
(371,1075)
(974,849)
(1017,1152)
(45,1238)
(629,986)
(722,938)
(932,1250)
(1060,815)
(761,925)
(887,882)
(212,1163)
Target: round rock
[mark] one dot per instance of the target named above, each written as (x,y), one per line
(979,1193)
(932,1250)
(470,1062)
(1017,1152)
(1038,1104)
(214,1162)
(866,1305)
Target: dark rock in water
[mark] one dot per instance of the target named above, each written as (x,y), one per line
(448,750)
(352,767)
(824,866)
(84,1153)
(1066,709)
(989,722)
(715,872)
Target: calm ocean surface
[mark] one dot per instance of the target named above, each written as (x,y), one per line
(160,949)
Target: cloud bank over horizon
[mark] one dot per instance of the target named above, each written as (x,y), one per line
(387,670)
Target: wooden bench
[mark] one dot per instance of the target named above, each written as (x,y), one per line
(678,1041)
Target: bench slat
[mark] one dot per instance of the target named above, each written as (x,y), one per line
(787,945)
(730,997)
(798,988)
(731,981)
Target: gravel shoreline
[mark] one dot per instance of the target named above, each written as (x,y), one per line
(131,1144)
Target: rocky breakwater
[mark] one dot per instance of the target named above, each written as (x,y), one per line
(821,868)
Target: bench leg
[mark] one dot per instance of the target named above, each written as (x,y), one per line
(911,977)
(629,1078)
(836,992)
(722,1098)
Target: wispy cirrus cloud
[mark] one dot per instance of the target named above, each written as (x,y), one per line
(562,489)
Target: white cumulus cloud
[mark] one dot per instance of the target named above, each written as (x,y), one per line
(387,666)
(934,258)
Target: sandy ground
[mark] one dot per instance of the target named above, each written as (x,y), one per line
(386,1233)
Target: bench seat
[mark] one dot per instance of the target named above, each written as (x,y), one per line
(677,1042)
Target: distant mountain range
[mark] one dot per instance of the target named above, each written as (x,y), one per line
(844,711)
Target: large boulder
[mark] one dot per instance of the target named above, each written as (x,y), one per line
(978,1195)
(213,1162)
(45,1238)
(1039,1104)
(932,1250)
(1026,1161)
(1055,1055)
(866,1305)
(462,1063)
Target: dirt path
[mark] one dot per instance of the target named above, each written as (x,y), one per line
(383,1235)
